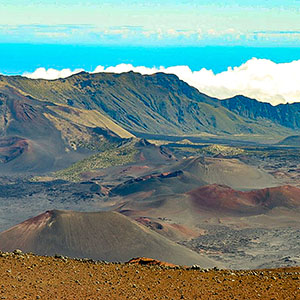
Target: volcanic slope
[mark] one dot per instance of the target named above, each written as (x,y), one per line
(106,236)
(190,173)
(38,136)
(193,172)
(158,103)
(284,114)
(231,172)
(137,155)
(224,200)
(192,207)
(158,184)
(237,227)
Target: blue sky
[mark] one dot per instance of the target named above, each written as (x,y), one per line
(152,23)
(223,48)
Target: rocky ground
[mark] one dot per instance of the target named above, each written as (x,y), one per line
(26,276)
(21,199)
(249,247)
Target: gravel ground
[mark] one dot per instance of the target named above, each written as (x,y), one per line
(251,248)
(25,276)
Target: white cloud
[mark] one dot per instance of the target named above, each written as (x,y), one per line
(51,74)
(124,32)
(261,79)
(52,34)
(191,34)
(121,68)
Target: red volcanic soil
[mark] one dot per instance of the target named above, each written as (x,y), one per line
(23,111)
(12,147)
(27,231)
(26,276)
(223,198)
(38,221)
(287,196)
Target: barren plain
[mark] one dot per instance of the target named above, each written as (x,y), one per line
(26,276)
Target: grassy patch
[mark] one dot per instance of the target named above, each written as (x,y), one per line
(220,149)
(105,159)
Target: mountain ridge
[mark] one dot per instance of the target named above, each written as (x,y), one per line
(287,115)
(59,121)
(158,103)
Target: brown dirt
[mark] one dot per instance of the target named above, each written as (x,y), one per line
(25,276)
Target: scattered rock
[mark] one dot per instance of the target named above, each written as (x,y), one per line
(18,252)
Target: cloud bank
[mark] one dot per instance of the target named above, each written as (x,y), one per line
(261,79)
(51,74)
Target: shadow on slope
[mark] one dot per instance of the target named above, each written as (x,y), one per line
(158,184)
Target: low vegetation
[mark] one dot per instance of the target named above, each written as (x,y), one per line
(108,158)
(222,150)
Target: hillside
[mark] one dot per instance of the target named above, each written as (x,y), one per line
(191,207)
(223,200)
(287,115)
(115,156)
(239,229)
(157,104)
(130,152)
(106,236)
(39,136)
(191,173)
(158,184)
(225,171)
